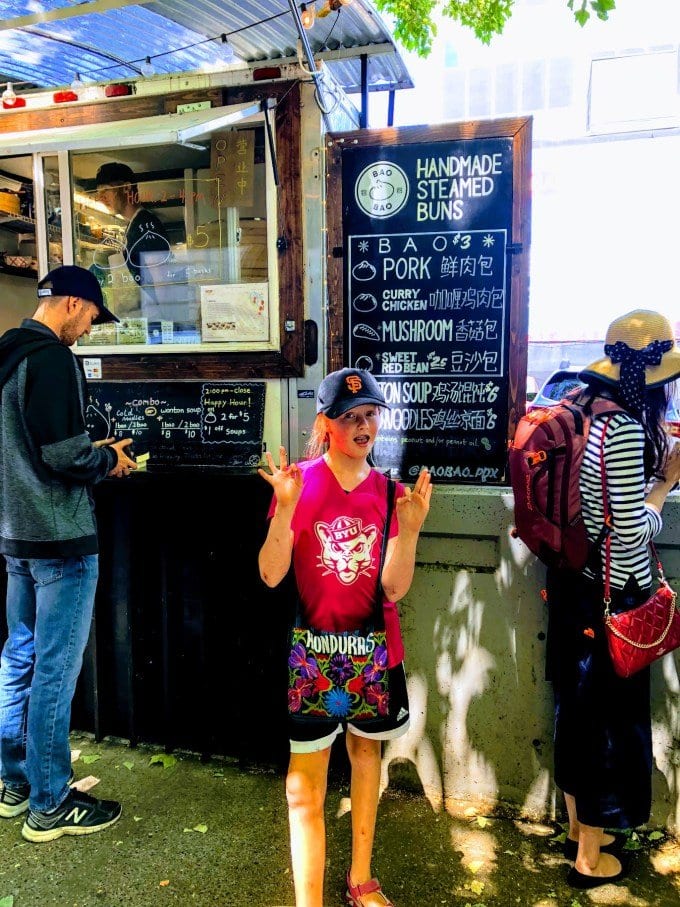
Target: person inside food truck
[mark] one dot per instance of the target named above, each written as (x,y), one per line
(146,247)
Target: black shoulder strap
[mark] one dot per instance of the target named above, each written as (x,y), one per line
(378,603)
(386,527)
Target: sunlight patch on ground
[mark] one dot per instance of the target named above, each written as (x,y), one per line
(666,860)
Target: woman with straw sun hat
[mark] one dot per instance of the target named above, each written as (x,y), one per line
(603,740)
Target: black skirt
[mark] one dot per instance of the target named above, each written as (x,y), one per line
(602,734)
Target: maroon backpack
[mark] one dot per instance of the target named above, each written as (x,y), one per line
(545,459)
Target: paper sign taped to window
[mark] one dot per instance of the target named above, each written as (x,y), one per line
(235,312)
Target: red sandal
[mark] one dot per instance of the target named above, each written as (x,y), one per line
(354,893)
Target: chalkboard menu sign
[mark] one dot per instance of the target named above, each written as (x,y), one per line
(427,271)
(201,423)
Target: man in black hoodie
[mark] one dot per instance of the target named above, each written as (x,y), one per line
(48,537)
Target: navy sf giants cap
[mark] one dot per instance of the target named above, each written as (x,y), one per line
(345,389)
(70,280)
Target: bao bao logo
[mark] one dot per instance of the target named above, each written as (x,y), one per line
(381,189)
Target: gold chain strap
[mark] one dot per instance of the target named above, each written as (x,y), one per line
(642,645)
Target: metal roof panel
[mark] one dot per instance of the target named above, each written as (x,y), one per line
(111,39)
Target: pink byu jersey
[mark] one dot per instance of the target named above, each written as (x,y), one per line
(336,551)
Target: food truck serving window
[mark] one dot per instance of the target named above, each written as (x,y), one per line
(176,217)
(178,237)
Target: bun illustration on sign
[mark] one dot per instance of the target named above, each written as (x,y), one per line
(365,302)
(365,332)
(381,190)
(364,271)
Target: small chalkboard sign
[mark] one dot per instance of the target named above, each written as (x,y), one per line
(201,423)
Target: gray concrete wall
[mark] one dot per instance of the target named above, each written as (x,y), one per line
(474,625)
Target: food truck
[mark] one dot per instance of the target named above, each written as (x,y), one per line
(198,201)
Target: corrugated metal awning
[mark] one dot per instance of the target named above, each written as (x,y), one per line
(109,40)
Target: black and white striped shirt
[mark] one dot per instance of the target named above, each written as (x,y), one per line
(634,523)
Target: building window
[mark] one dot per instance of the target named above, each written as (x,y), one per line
(533,85)
(560,83)
(506,89)
(480,93)
(454,95)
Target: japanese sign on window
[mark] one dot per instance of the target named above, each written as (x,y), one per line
(232,161)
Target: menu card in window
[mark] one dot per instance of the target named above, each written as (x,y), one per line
(235,311)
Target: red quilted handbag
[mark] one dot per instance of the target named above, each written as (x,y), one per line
(638,637)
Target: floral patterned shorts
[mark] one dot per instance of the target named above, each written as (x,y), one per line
(317,736)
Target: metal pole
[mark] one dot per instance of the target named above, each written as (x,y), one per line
(311,62)
(266,105)
(364,91)
(303,38)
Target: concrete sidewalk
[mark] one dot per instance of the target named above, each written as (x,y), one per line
(213,834)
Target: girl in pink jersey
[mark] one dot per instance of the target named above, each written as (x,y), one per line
(336,494)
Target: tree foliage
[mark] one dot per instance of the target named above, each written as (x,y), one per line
(415,28)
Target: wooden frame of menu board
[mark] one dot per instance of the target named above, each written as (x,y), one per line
(428,281)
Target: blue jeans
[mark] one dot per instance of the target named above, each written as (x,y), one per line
(49,612)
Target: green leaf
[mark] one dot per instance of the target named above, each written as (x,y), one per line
(603,7)
(129,765)
(414,21)
(632,845)
(655,835)
(201,828)
(88,760)
(167,760)
(7,901)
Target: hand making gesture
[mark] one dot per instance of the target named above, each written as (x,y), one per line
(413,507)
(285,479)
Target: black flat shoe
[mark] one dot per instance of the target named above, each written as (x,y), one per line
(570,848)
(578,880)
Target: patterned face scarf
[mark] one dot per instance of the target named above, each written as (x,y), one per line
(633,365)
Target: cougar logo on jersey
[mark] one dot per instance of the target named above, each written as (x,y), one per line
(346,548)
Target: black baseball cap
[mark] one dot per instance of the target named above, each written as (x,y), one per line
(70,280)
(114,174)
(345,389)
